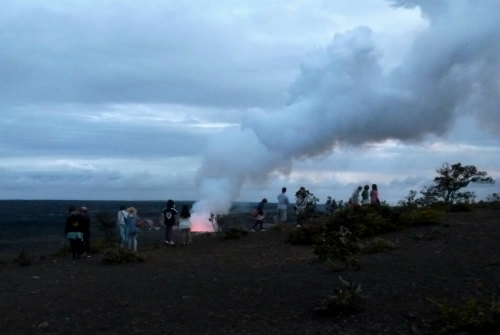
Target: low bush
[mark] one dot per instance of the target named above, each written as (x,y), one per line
(423,217)
(119,255)
(376,245)
(343,301)
(470,318)
(24,259)
(235,233)
(307,234)
(341,245)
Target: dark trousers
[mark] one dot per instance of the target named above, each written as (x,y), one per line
(86,242)
(168,233)
(76,247)
(259,223)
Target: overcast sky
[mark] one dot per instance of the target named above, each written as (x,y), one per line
(231,100)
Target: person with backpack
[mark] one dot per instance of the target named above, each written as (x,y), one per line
(259,218)
(169,218)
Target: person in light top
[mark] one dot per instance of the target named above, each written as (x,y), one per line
(185,225)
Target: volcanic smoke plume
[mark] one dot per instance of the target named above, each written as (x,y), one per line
(343,95)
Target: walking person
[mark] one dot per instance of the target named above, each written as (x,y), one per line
(283,203)
(259,219)
(86,230)
(374,200)
(185,225)
(121,224)
(132,230)
(169,217)
(354,200)
(365,195)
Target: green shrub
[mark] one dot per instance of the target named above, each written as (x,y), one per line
(100,245)
(341,302)
(24,259)
(423,217)
(368,221)
(377,245)
(460,207)
(307,234)
(235,233)
(119,255)
(341,244)
(471,318)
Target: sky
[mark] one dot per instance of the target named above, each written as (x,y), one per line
(226,101)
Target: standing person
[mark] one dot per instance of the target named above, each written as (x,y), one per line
(169,216)
(121,224)
(374,200)
(259,219)
(131,221)
(365,195)
(283,203)
(354,200)
(86,230)
(300,205)
(185,225)
(73,231)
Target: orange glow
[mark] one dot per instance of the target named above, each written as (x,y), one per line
(200,223)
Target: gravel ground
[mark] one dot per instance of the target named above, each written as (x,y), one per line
(257,284)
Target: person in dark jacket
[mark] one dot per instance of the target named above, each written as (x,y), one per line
(259,219)
(169,217)
(73,231)
(86,230)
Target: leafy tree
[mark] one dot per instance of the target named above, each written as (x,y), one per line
(450,180)
(410,200)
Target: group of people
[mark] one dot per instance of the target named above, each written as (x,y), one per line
(127,223)
(282,208)
(367,197)
(77,231)
(77,227)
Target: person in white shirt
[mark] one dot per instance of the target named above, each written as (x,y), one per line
(121,224)
(283,203)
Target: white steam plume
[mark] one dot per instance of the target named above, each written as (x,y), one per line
(344,96)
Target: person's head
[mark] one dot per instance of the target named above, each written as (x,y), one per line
(132,211)
(264,200)
(185,209)
(122,208)
(170,203)
(367,187)
(83,210)
(360,188)
(283,190)
(374,187)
